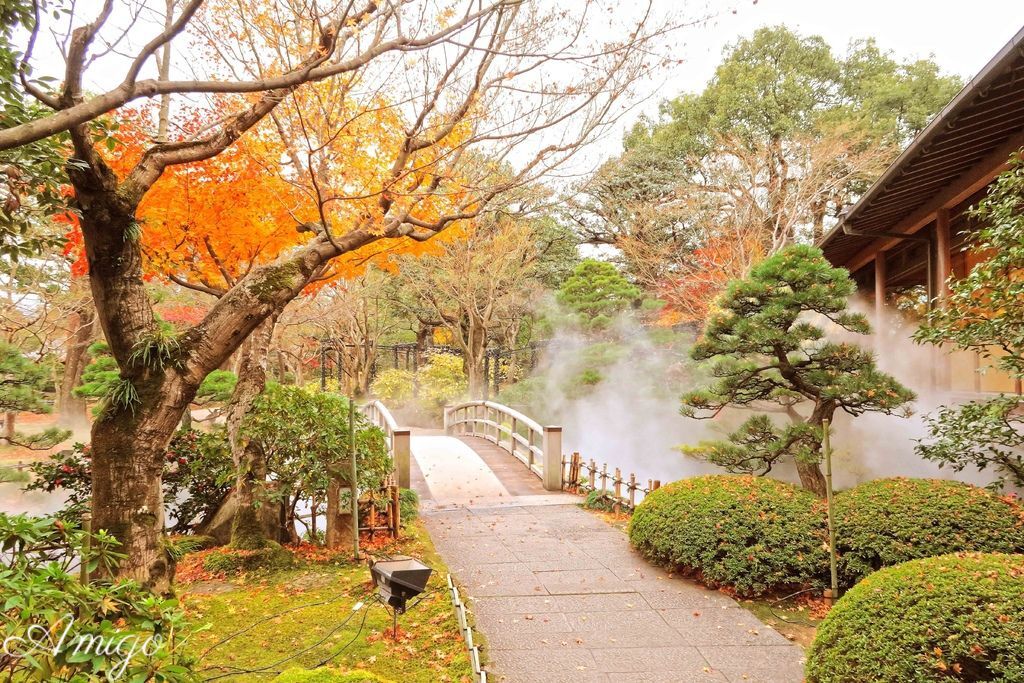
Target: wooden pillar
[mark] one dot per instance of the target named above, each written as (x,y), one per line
(944,260)
(552,449)
(943,271)
(401,445)
(879,322)
(880,278)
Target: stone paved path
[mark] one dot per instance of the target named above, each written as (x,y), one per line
(560,596)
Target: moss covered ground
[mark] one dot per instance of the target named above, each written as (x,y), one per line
(302,618)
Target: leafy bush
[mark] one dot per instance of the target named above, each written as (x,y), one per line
(947,618)
(41,596)
(442,380)
(888,521)
(752,534)
(324,675)
(304,434)
(394,386)
(599,499)
(408,505)
(197,476)
(987,435)
(13,475)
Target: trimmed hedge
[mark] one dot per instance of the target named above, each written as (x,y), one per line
(888,521)
(752,534)
(949,618)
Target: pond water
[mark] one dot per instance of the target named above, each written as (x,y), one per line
(14,500)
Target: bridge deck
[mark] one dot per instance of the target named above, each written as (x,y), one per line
(559,594)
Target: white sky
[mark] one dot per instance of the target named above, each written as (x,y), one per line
(961,37)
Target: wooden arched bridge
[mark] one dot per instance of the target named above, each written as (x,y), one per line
(558,592)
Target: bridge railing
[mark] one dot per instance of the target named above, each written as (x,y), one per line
(537,447)
(398,439)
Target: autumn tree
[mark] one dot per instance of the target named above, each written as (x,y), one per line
(360,314)
(550,73)
(768,349)
(785,134)
(478,283)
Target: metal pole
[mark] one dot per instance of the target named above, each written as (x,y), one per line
(83,570)
(826,446)
(353,476)
(323,367)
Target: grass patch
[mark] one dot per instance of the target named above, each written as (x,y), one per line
(321,596)
(797,618)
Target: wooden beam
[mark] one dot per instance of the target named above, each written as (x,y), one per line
(974,179)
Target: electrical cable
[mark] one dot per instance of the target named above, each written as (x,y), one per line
(267,618)
(337,652)
(795,622)
(266,669)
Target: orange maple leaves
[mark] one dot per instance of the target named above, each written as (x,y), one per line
(207,224)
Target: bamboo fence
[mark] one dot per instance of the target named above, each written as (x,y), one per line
(620,492)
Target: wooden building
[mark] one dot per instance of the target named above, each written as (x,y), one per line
(909,232)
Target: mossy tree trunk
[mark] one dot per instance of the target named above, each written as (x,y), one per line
(130,440)
(248,456)
(72,409)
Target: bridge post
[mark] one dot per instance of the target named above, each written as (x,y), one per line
(402,452)
(552,458)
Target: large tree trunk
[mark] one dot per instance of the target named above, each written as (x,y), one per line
(130,439)
(809,471)
(72,409)
(811,477)
(129,443)
(250,462)
(476,347)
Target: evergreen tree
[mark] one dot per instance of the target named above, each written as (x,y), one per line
(596,292)
(768,345)
(22,386)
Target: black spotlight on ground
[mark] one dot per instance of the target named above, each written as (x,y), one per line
(397,580)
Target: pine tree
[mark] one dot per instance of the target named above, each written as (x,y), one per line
(768,345)
(596,292)
(22,386)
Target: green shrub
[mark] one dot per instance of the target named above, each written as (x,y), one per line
(55,627)
(408,505)
(442,380)
(599,499)
(324,675)
(394,386)
(230,561)
(752,534)
(947,618)
(888,521)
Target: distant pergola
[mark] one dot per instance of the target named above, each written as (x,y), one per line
(409,356)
